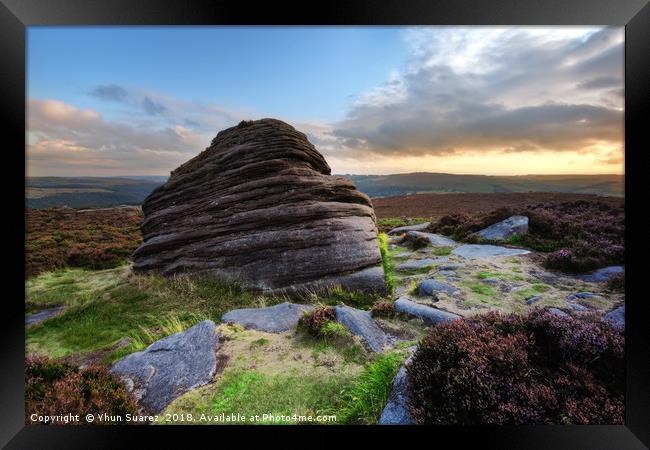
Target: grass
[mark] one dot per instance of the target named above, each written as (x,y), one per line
(363,401)
(70,287)
(386,261)
(255,393)
(144,308)
(441,251)
(501,275)
(388,223)
(531,291)
(357,399)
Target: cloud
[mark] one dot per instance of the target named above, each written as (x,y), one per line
(153,108)
(473,90)
(61,136)
(111,92)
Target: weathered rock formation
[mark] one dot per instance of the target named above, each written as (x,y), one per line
(260,207)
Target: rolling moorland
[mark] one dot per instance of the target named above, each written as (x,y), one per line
(89,192)
(79,268)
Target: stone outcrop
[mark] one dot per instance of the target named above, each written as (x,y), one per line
(429,315)
(361,324)
(170,366)
(272,319)
(515,225)
(260,207)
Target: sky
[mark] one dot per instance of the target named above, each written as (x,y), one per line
(110,101)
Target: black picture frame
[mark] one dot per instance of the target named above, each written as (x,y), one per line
(16,15)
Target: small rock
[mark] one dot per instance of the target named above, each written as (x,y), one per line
(577,306)
(428,314)
(451,266)
(404,255)
(505,229)
(417,264)
(396,412)
(557,312)
(446,273)
(361,324)
(170,366)
(416,227)
(435,240)
(534,299)
(273,319)
(616,316)
(429,287)
(480,251)
(584,294)
(40,316)
(603,274)
(490,281)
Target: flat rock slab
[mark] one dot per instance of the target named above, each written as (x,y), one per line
(534,299)
(616,316)
(435,240)
(361,324)
(395,412)
(170,366)
(428,314)
(481,251)
(505,229)
(404,229)
(417,264)
(430,287)
(273,319)
(603,274)
(38,317)
(452,266)
(557,312)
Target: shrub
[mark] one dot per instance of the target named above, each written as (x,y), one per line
(314,321)
(535,369)
(95,239)
(581,235)
(616,282)
(383,309)
(54,388)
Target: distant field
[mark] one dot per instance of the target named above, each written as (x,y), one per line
(93,192)
(87,192)
(434,206)
(417,183)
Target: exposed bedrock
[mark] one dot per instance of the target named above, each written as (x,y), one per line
(260,207)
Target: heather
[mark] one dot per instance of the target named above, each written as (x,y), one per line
(92,239)
(513,369)
(577,236)
(55,388)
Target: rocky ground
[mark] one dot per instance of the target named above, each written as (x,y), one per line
(257,359)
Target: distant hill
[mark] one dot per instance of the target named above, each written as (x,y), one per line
(92,192)
(88,192)
(417,183)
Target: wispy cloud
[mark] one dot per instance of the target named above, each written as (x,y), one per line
(494,90)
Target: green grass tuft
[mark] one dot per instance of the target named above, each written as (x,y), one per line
(387,263)
(363,401)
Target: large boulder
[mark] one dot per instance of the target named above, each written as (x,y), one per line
(515,225)
(170,366)
(260,207)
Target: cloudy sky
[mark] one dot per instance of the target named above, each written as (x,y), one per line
(107,101)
